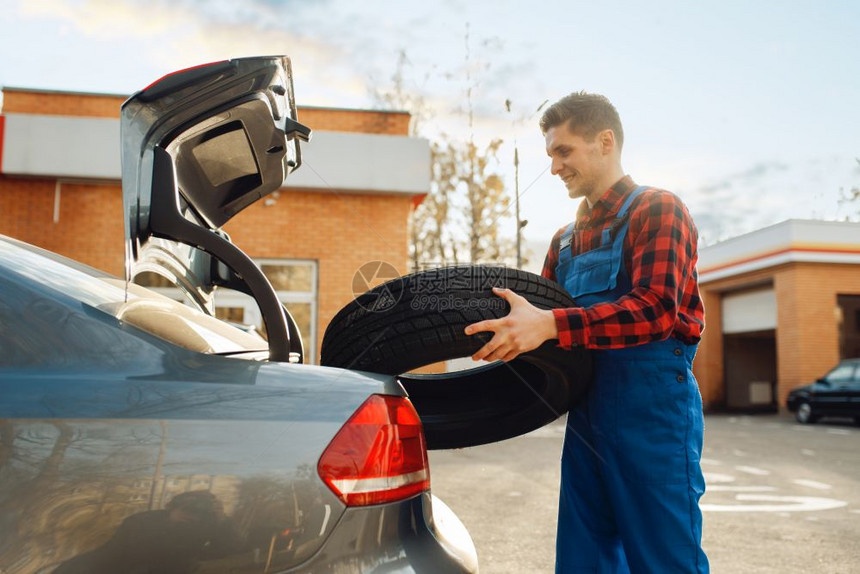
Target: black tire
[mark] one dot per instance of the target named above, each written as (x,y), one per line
(418,319)
(805,413)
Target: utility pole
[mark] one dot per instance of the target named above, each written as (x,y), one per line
(519,224)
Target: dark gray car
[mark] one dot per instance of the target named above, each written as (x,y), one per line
(138,434)
(836,394)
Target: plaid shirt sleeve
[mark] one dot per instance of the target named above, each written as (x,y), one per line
(660,254)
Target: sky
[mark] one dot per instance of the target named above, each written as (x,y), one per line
(749,111)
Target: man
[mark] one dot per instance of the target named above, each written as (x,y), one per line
(631,478)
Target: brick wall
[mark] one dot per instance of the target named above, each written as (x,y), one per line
(807,327)
(88,226)
(17,101)
(807,332)
(362,121)
(708,365)
(340,231)
(107,106)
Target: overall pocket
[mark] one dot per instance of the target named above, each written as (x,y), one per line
(652,420)
(593,272)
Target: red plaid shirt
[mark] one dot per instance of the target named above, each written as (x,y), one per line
(660,255)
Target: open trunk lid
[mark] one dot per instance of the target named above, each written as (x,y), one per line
(199,146)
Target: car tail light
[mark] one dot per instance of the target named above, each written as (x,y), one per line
(379,455)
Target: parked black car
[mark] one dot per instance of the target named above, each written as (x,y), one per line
(835,394)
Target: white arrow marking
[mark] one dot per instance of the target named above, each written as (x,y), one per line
(784,504)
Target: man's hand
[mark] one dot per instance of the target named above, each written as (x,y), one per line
(523,329)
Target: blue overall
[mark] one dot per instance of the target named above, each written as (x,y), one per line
(630,473)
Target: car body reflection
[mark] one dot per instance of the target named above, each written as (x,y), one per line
(101,497)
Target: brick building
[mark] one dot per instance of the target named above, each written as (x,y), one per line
(783,307)
(348,204)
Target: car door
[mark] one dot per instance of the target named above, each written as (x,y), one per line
(834,390)
(199,146)
(853,393)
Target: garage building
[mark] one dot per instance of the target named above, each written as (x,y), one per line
(782,307)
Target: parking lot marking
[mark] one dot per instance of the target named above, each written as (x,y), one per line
(812,484)
(732,488)
(753,470)
(711,461)
(842,432)
(807,452)
(717,477)
(783,504)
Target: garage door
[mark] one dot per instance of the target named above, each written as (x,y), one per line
(749,311)
(749,347)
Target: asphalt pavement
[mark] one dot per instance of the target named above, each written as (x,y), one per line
(781,496)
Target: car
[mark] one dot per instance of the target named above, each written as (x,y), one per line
(836,394)
(141,434)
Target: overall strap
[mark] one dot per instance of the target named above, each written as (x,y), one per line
(564,253)
(606,238)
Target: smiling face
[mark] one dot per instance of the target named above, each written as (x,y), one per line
(587,167)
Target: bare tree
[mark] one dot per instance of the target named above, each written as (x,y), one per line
(459,219)
(851,198)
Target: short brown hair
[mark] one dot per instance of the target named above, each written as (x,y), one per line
(586,115)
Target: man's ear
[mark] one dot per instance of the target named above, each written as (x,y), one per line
(607,141)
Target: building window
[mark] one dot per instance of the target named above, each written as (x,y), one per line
(294,281)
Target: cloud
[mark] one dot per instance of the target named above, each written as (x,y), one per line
(338,49)
(744,178)
(106,19)
(768,192)
(175,35)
